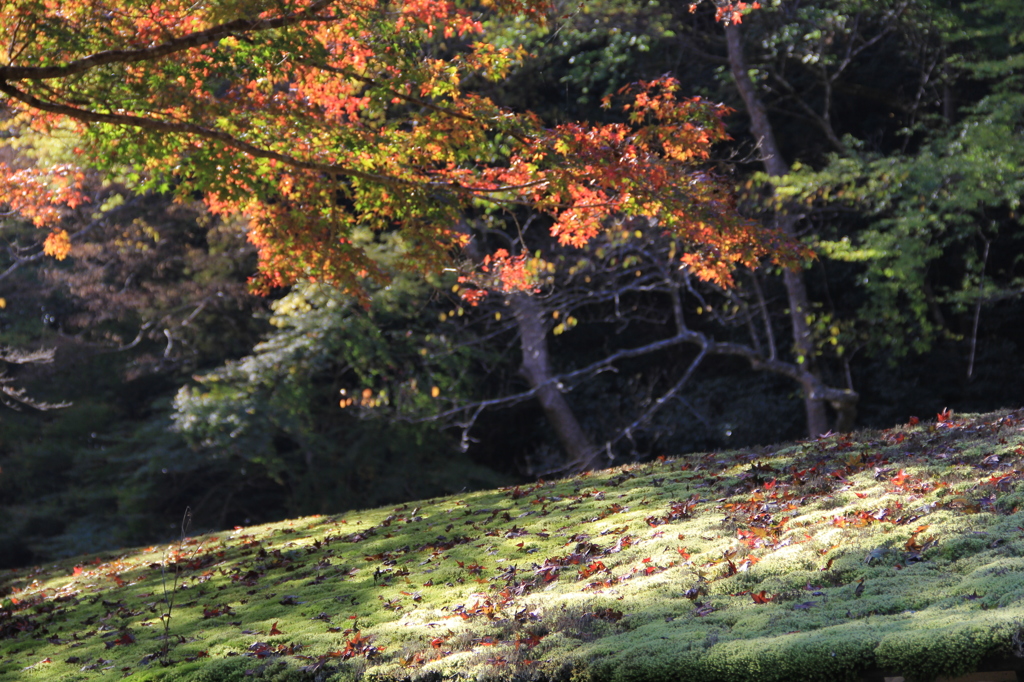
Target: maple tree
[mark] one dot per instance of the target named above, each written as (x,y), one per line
(317,119)
(312,118)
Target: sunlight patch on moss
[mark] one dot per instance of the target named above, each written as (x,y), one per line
(899,549)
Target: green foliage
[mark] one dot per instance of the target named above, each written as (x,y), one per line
(278,408)
(923,219)
(991,39)
(82,477)
(946,225)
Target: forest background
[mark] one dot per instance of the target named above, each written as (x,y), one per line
(883,135)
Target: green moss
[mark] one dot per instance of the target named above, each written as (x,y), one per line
(798,656)
(644,573)
(950,650)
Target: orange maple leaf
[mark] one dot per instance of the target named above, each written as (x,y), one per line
(57,244)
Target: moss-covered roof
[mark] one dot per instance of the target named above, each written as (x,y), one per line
(899,550)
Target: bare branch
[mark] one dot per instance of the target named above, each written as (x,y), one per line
(16,398)
(16,356)
(75,236)
(977,310)
(664,398)
(818,390)
(764,315)
(823,121)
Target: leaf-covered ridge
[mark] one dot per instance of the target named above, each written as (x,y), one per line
(900,550)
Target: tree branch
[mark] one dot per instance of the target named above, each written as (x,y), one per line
(664,398)
(130,121)
(211,35)
(155,125)
(19,261)
(819,390)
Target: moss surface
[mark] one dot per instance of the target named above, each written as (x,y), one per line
(901,550)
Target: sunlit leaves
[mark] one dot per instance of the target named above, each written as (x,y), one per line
(41,195)
(317,118)
(952,201)
(57,244)
(729,12)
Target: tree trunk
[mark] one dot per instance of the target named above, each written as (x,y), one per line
(537,370)
(796,289)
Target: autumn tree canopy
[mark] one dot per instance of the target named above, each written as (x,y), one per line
(899,123)
(316,117)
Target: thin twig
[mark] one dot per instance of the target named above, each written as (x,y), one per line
(186,523)
(977,311)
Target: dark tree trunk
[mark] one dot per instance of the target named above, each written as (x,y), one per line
(533,330)
(796,289)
